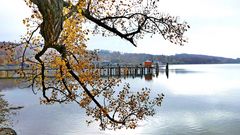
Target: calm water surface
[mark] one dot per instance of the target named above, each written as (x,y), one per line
(200,100)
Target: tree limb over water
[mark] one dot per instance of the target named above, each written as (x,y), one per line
(61,45)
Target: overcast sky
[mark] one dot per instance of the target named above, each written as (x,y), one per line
(215,27)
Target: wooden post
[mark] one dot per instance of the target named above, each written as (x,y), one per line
(136,70)
(110,71)
(130,70)
(119,70)
(167,70)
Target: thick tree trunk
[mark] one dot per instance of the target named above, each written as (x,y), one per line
(52,25)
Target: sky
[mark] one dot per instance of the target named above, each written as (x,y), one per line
(215,25)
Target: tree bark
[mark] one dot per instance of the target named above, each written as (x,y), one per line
(52,25)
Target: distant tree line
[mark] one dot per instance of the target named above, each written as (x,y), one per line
(137,58)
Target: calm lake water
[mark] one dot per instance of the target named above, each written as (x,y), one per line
(199,100)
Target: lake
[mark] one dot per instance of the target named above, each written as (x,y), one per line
(199,100)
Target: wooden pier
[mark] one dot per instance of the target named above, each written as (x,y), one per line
(9,73)
(127,70)
(104,71)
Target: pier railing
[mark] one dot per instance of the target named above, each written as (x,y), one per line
(127,70)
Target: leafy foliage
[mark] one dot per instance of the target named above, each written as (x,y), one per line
(60,51)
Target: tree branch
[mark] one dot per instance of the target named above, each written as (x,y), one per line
(111,29)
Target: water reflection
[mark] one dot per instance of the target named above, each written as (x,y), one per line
(195,123)
(148,77)
(202,102)
(177,71)
(7,83)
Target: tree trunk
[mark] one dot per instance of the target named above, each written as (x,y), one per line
(52,25)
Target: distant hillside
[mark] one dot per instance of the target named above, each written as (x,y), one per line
(136,58)
(203,59)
